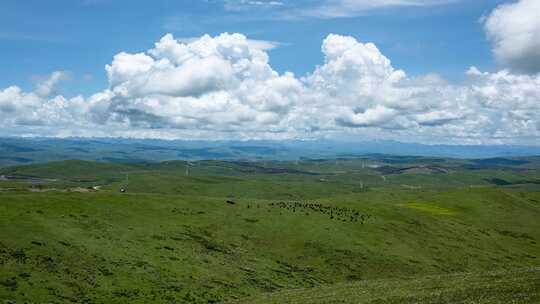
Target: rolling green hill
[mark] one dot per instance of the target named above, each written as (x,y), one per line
(326,231)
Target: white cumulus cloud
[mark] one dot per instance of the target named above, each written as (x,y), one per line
(216,83)
(47,86)
(223,87)
(514,30)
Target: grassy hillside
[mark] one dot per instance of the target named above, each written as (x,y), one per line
(308,232)
(497,287)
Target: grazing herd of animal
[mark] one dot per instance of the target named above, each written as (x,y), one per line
(342,214)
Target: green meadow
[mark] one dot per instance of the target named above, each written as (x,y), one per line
(368,230)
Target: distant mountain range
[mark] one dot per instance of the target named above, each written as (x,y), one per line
(16,151)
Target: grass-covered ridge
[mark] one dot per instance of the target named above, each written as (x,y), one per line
(291,232)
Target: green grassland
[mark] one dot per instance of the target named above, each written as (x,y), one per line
(496,287)
(320,231)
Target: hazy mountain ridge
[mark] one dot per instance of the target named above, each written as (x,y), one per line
(16,151)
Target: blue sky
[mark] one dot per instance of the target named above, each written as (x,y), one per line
(81,36)
(429,71)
